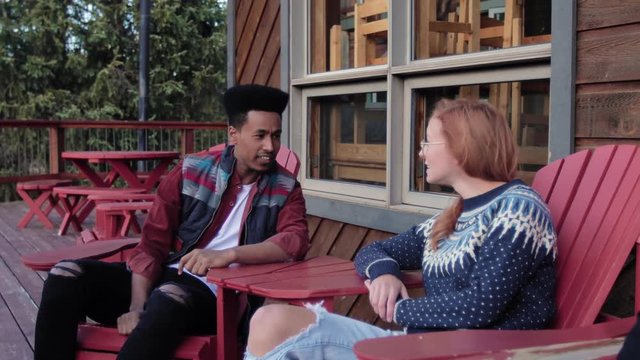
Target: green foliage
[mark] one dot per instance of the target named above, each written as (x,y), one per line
(78,59)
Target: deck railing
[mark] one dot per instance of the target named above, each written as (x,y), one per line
(31,149)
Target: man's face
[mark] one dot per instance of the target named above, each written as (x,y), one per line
(257,142)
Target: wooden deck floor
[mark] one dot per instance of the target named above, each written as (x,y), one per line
(20,287)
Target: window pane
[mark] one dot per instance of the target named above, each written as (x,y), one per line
(347,34)
(525,105)
(347,138)
(448,27)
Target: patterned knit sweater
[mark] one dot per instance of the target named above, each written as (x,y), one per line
(496,270)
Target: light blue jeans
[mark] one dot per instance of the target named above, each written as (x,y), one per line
(330,337)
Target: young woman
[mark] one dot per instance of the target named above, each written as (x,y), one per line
(487,261)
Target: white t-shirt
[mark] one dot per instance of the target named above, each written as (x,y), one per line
(227,236)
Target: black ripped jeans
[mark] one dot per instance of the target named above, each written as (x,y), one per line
(102,292)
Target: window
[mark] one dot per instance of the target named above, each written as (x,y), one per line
(449,27)
(525,105)
(348,137)
(362,120)
(347,34)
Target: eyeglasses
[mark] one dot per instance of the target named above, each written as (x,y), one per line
(425,144)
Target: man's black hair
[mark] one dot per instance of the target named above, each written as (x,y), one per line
(241,99)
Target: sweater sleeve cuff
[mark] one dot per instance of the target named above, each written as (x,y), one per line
(144,265)
(382,267)
(396,312)
(293,245)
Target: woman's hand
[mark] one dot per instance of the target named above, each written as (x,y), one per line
(383,294)
(199,261)
(128,321)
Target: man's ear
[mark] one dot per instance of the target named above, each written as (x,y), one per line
(232,135)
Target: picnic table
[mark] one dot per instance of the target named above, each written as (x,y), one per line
(120,166)
(74,199)
(317,279)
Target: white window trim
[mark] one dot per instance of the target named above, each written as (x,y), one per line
(393,78)
(522,73)
(369,194)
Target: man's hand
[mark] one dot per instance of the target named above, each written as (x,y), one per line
(128,321)
(383,294)
(199,261)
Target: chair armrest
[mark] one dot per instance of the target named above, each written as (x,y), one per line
(448,344)
(45,260)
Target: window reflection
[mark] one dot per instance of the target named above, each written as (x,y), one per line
(347,138)
(525,105)
(449,27)
(347,34)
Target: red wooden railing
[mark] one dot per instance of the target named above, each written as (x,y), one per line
(187,133)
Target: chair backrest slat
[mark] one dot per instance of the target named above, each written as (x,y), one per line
(545,179)
(618,201)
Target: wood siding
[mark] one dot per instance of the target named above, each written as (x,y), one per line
(607,73)
(257,42)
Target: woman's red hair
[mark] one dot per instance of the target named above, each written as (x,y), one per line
(481,141)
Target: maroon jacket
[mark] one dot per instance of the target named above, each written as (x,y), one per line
(158,233)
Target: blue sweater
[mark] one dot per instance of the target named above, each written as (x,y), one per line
(496,270)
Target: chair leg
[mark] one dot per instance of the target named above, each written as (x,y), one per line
(126,223)
(35,208)
(72,205)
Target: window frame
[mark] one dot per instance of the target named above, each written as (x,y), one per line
(366,193)
(401,67)
(520,73)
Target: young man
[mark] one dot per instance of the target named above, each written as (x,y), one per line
(213,209)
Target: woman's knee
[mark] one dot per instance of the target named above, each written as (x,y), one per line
(273,324)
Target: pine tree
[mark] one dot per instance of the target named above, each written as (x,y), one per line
(79,59)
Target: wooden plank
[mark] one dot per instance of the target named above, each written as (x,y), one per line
(263,36)
(23,309)
(318,37)
(591,143)
(28,279)
(312,223)
(56,146)
(372,7)
(324,238)
(608,110)
(593,14)
(594,60)
(13,345)
(268,71)
(348,241)
(274,77)
(248,36)
(242,13)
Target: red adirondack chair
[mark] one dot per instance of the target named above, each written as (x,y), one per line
(594,198)
(102,343)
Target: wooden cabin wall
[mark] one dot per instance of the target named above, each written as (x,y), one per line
(257,42)
(607,73)
(608,98)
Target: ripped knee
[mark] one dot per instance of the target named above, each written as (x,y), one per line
(66,268)
(174,292)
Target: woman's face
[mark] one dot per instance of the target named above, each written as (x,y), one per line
(440,165)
